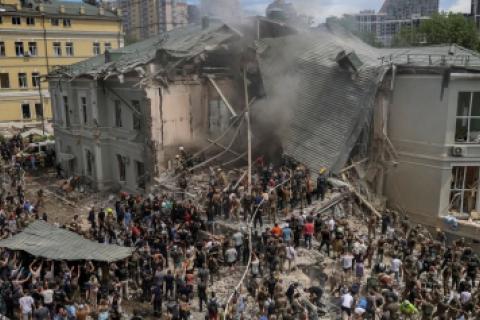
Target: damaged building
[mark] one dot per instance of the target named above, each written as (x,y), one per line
(405,118)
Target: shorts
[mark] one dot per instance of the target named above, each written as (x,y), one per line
(348,311)
(26,316)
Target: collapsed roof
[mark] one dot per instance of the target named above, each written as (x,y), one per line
(330,76)
(180,43)
(44,240)
(335,77)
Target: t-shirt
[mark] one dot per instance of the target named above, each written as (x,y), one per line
(26,304)
(347,261)
(238,238)
(47,296)
(287,234)
(347,300)
(309,228)
(396,264)
(231,255)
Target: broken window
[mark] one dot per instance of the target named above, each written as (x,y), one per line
(89,158)
(137,122)
(118,114)
(467,128)
(83,103)
(122,168)
(463,189)
(218,116)
(67,111)
(140,174)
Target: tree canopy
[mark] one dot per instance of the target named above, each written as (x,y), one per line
(441,28)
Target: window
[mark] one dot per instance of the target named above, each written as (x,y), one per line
(118,114)
(137,124)
(26,111)
(140,174)
(67,23)
(32,49)
(19,49)
(468,118)
(35,79)
(122,168)
(4,81)
(57,49)
(22,80)
(108,46)
(38,110)
(30,21)
(16,20)
(2,49)
(83,106)
(67,111)
(54,21)
(89,156)
(69,49)
(96,48)
(1,19)
(463,189)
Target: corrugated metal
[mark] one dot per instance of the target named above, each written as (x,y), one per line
(330,105)
(41,239)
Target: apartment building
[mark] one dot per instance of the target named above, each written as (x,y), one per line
(38,36)
(146,18)
(405,9)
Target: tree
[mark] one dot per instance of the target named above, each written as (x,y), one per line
(441,28)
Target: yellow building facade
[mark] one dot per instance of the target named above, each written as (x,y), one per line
(36,36)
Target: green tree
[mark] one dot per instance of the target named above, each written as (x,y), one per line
(440,29)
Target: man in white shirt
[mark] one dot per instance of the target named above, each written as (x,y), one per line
(231,255)
(396,267)
(346,305)
(26,306)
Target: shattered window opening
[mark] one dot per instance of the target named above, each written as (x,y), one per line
(464,189)
(467,129)
(122,168)
(22,80)
(26,114)
(118,114)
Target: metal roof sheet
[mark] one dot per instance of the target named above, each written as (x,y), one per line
(44,240)
(332,105)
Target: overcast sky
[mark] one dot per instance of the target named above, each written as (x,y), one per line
(324,8)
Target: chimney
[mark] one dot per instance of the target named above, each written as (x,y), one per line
(82,9)
(101,11)
(205,22)
(62,9)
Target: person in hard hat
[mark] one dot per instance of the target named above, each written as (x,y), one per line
(322,184)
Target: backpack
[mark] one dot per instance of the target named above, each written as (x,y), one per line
(212,306)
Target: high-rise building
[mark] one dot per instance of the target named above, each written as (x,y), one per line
(145,18)
(392,17)
(406,9)
(36,36)
(229,10)
(476,12)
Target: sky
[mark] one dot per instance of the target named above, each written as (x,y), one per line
(325,8)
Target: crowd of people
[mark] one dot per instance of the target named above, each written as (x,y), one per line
(387,270)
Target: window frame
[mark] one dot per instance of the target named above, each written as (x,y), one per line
(69,50)
(39,115)
(22,80)
(67,22)
(55,22)
(19,49)
(8,80)
(32,44)
(122,168)
(2,49)
(136,119)
(118,114)
(35,79)
(463,189)
(22,105)
(96,48)
(66,111)
(83,109)
(16,20)
(57,48)
(468,118)
(30,21)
